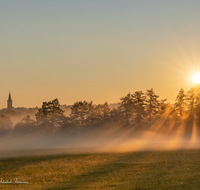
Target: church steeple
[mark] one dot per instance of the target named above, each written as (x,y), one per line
(9,102)
(9,98)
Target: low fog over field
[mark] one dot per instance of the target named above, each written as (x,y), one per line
(141,121)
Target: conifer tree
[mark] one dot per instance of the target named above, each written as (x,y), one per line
(49,109)
(99,113)
(152,103)
(197,102)
(50,115)
(106,110)
(138,103)
(180,103)
(191,101)
(126,107)
(80,111)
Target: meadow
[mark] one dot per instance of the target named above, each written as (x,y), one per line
(178,169)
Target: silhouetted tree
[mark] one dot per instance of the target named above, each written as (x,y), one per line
(50,116)
(80,111)
(153,105)
(197,102)
(5,125)
(138,104)
(105,110)
(127,107)
(191,98)
(180,103)
(49,109)
(100,114)
(116,115)
(26,126)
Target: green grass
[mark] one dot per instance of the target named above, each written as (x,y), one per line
(135,170)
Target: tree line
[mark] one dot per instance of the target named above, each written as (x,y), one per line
(136,109)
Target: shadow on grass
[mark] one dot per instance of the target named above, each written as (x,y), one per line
(10,164)
(96,175)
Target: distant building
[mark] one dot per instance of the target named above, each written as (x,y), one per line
(11,111)
(10,108)
(9,103)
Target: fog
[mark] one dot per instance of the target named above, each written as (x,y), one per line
(139,122)
(96,139)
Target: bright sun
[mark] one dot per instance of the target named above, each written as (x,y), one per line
(196,78)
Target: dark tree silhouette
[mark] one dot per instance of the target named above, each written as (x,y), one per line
(138,103)
(80,111)
(197,103)
(191,101)
(26,126)
(50,117)
(99,114)
(127,107)
(5,125)
(49,109)
(153,105)
(180,104)
(116,115)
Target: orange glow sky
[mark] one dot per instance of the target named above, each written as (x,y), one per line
(96,50)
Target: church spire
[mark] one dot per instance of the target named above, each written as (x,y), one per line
(9,102)
(9,98)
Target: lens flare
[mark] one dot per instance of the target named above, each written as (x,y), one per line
(196,78)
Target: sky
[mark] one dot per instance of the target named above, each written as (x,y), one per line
(96,50)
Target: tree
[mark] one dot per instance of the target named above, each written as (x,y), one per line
(105,110)
(5,125)
(49,109)
(180,103)
(197,102)
(116,115)
(138,104)
(27,119)
(99,113)
(126,107)
(50,116)
(153,105)
(191,103)
(26,126)
(80,111)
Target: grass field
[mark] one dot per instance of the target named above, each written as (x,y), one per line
(133,170)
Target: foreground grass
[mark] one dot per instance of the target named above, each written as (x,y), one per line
(136,170)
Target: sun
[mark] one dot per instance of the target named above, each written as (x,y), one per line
(196,78)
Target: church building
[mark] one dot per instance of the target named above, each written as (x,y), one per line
(9,103)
